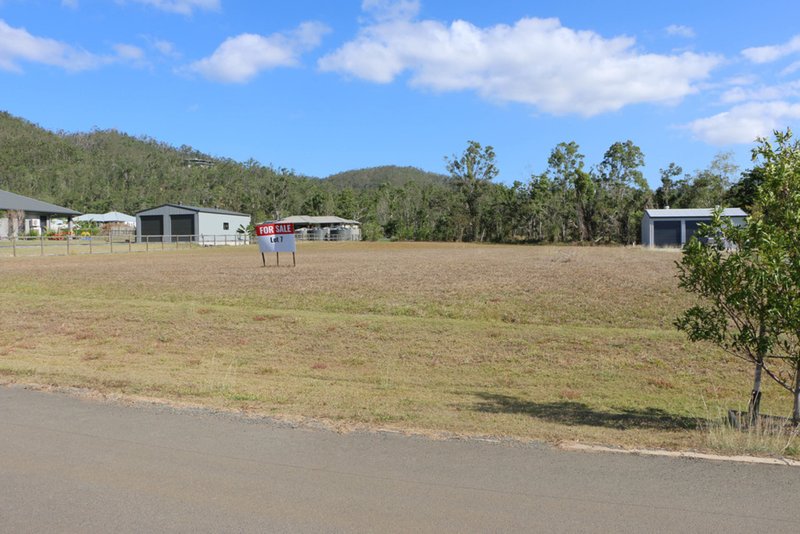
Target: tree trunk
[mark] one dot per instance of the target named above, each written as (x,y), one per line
(580,214)
(796,395)
(753,408)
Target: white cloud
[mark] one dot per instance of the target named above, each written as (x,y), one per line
(129,52)
(680,30)
(182,7)
(744,123)
(162,46)
(535,61)
(383,10)
(791,69)
(761,93)
(17,45)
(166,48)
(736,94)
(240,58)
(742,79)
(768,54)
(72,4)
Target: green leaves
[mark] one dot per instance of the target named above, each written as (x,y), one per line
(748,278)
(470,175)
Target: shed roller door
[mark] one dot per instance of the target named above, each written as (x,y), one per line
(692,227)
(182,227)
(152,225)
(667,233)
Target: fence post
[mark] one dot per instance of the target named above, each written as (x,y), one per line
(67,238)
(129,244)
(14,247)
(41,243)
(90,244)
(111,243)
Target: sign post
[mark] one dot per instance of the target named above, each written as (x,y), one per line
(277,238)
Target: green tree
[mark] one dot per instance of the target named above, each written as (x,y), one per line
(470,175)
(743,193)
(565,165)
(734,312)
(748,277)
(623,192)
(708,187)
(665,195)
(777,210)
(545,218)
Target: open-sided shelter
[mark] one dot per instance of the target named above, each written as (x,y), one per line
(674,227)
(113,224)
(175,222)
(111,217)
(35,214)
(324,228)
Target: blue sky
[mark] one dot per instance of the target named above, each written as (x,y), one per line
(323,86)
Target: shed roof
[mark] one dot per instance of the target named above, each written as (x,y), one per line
(313,219)
(13,201)
(197,209)
(111,216)
(689,213)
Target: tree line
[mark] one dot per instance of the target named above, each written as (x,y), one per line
(570,201)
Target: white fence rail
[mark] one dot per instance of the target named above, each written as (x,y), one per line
(69,245)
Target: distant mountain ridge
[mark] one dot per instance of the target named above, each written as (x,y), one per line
(374,177)
(105,170)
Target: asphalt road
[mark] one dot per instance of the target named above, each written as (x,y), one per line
(69,464)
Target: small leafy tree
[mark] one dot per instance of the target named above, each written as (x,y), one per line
(777,207)
(249,230)
(748,277)
(723,267)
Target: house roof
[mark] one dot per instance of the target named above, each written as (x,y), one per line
(111,216)
(312,219)
(689,213)
(197,209)
(13,201)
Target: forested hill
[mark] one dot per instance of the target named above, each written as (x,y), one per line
(597,202)
(106,169)
(375,177)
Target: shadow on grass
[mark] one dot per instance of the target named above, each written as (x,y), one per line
(578,413)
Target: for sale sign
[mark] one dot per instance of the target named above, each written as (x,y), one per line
(276,237)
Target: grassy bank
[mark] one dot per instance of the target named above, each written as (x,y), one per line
(532,342)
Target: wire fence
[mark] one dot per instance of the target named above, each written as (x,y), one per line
(73,245)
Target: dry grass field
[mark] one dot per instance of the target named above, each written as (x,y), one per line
(551,343)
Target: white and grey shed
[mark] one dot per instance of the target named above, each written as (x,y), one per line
(175,222)
(674,227)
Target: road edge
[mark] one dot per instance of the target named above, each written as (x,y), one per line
(316,424)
